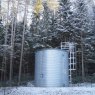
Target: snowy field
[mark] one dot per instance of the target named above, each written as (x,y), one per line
(48,91)
(75,89)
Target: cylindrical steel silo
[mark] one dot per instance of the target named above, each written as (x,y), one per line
(51,68)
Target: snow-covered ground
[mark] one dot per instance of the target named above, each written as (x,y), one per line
(88,90)
(74,89)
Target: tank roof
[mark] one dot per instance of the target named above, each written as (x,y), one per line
(51,49)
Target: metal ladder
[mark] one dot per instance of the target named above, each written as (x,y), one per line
(72,57)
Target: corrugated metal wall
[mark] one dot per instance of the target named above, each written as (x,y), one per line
(51,68)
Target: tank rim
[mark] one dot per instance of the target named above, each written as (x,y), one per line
(51,49)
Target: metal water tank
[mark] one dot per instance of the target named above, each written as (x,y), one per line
(51,68)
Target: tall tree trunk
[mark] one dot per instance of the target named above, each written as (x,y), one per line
(82,50)
(12,40)
(23,39)
(4,63)
(12,43)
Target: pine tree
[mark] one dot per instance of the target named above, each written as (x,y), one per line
(43,28)
(65,26)
(75,25)
(82,24)
(90,47)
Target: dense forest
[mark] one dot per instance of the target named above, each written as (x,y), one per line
(48,28)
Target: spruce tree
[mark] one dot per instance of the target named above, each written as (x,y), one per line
(65,26)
